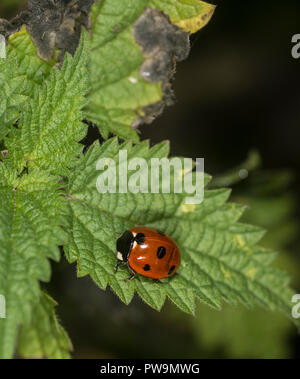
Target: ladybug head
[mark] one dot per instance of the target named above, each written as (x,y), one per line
(124,245)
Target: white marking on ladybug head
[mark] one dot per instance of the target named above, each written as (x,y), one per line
(134,244)
(119,256)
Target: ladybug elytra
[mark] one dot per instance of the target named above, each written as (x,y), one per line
(147,252)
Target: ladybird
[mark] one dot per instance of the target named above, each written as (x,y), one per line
(147,252)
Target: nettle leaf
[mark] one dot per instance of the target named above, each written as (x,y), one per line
(45,141)
(12,94)
(44,337)
(22,49)
(270,204)
(30,219)
(133,50)
(20,72)
(220,257)
(48,132)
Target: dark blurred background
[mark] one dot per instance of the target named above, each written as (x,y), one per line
(239,90)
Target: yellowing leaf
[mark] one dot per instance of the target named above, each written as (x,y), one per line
(131,71)
(189,15)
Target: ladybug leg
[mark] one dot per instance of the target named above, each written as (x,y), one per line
(118,264)
(132,274)
(131,277)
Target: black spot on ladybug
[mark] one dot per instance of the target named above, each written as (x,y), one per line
(162,44)
(171,270)
(146,267)
(160,232)
(140,238)
(161,252)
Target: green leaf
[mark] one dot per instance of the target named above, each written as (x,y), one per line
(12,94)
(46,140)
(120,97)
(30,219)
(234,330)
(20,72)
(22,49)
(44,337)
(220,257)
(49,130)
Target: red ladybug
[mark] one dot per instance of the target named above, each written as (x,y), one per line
(147,252)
